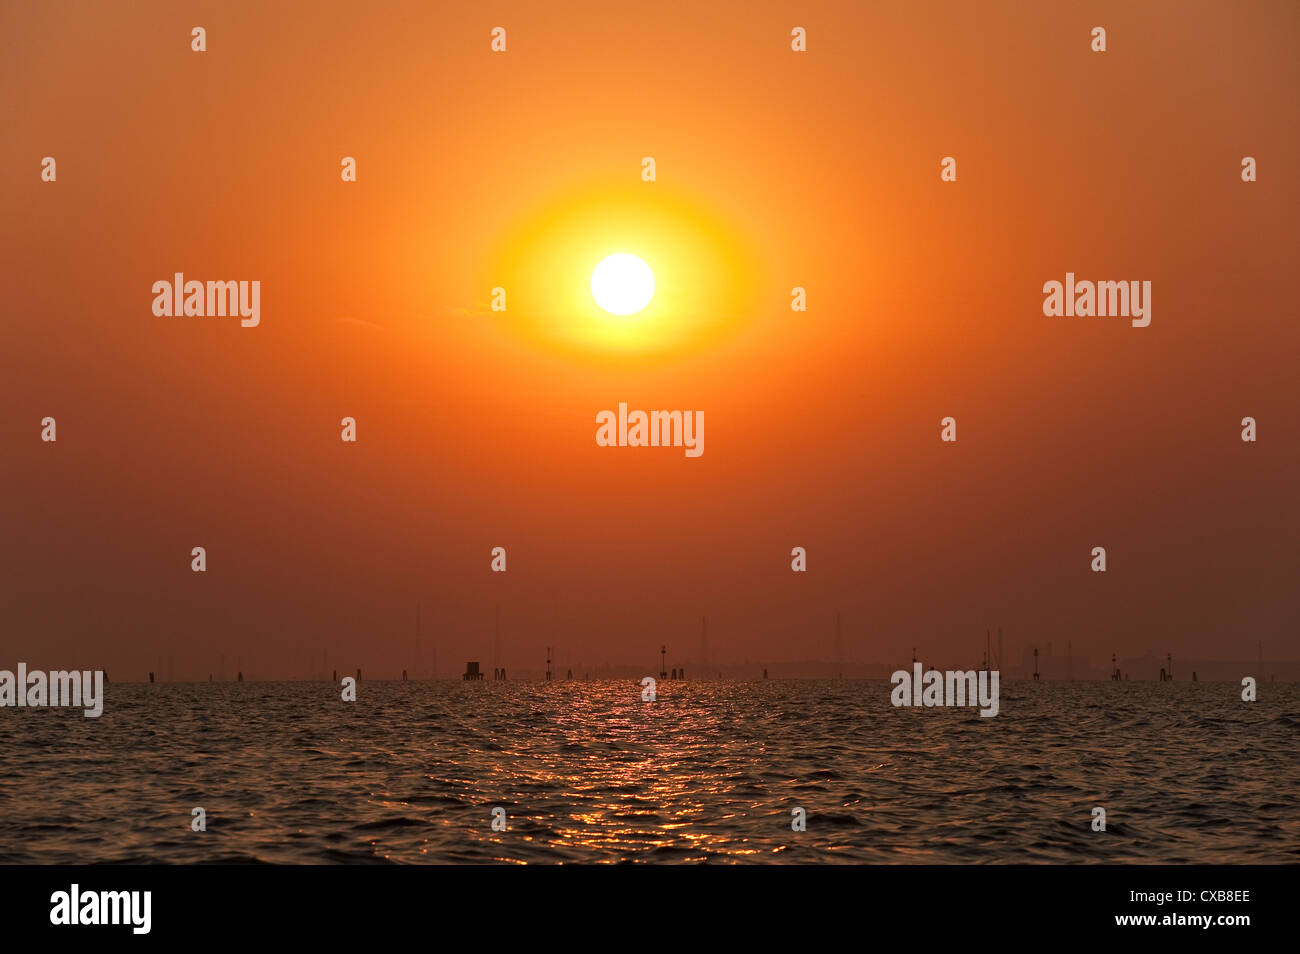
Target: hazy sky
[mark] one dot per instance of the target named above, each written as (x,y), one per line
(476,429)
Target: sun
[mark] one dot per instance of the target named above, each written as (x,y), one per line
(603,271)
(622,284)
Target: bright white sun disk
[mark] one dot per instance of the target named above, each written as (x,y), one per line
(622,284)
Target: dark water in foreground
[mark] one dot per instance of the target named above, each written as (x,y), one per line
(588,772)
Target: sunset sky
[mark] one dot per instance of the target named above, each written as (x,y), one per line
(476,429)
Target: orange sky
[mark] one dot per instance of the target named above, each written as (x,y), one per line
(775,169)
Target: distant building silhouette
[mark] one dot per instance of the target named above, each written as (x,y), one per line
(472,673)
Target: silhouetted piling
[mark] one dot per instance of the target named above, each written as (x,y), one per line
(151,676)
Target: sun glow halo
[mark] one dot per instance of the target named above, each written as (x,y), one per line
(701,286)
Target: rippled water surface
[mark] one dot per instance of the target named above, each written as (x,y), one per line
(588,772)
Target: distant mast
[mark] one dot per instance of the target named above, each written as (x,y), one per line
(839,649)
(704,643)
